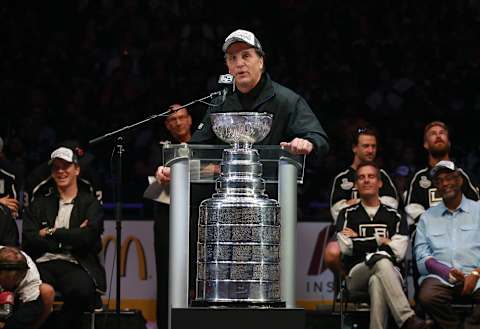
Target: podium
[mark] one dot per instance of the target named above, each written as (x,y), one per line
(238,318)
(197,164)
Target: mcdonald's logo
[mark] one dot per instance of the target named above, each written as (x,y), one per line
(142,264)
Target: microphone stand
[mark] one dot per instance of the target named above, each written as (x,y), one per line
(119,150)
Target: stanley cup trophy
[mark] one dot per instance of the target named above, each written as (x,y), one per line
(238,250)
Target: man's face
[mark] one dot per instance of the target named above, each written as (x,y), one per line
(64,173)
(449,184)
(179,123)
(368,182)
(366,148)
(436,141)
(245,65)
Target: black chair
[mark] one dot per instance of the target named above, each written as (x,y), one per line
(359,301)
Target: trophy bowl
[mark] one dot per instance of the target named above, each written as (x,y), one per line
(241,128)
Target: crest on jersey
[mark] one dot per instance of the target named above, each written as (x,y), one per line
(425,182)
(346,185)
(375,229)
(433,197)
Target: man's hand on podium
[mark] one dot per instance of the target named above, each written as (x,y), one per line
(163,175)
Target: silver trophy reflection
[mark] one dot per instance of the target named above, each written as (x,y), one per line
(238,250)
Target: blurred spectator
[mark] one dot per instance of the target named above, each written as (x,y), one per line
(400,177)
(9,191)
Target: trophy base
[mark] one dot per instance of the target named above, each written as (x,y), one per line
(237,318)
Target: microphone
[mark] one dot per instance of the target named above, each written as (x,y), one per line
(7,299)
(227,80)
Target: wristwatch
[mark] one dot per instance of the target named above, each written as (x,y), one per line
(50,231)
(476,273)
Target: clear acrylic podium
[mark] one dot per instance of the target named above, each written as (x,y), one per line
(199,164)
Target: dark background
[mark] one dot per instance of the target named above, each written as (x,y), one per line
(79,69)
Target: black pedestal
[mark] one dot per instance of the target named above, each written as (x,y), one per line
(238,318)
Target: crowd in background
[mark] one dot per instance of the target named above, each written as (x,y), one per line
(80,69)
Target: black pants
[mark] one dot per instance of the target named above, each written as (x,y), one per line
(76,287)
(436,299)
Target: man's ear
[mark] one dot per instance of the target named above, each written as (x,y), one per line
(77,169)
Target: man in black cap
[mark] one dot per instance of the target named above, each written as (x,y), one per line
(447,250)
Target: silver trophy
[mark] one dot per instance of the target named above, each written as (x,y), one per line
(238,249)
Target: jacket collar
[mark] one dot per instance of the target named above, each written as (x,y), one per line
(463,207)
(233,103)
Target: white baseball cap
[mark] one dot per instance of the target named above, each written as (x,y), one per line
(63,153)
(242,36)
(443,165)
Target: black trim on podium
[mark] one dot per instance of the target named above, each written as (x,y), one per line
(237,318)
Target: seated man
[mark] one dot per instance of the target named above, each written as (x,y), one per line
(344,193)
(40,182)
(373,239)
(24,301)
(61,231)
(8,228)
(447,250)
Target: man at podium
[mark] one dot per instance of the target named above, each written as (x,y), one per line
(294,126)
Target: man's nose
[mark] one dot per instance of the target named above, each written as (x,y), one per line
(178,122)
(239,62)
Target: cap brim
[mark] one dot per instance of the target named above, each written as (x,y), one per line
(231,41)
(435,170)
(51,160)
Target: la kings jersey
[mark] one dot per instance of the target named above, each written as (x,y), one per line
(386,223)
(422,193)
(343,189)
(7,184)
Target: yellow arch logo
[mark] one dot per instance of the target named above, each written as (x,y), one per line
(142,264)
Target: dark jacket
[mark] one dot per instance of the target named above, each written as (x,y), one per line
(292,117)
(83,243)
(8,228)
